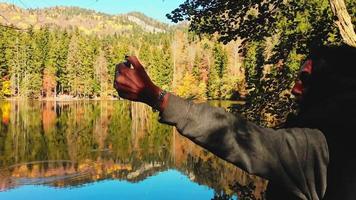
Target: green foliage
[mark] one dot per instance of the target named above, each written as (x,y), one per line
(3,62)
(291,27)
(216,73)
(41,62)
(161,71)
(268,101)
(300,24)
(229,88)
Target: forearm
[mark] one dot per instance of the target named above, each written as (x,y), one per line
(224,134)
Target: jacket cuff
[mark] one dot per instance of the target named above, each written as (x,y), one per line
(176,110)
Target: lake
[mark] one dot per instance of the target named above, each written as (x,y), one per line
(108,150)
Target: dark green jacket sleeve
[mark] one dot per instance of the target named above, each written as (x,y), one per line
(296,158)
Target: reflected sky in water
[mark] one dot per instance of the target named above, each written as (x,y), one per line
(170,184)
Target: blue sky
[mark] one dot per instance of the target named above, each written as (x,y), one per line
(153,8)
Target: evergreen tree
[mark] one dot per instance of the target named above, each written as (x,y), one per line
(88,53)
(49,84)
(101,85)
(73,64)
(63,40)
(216,73)
(4,71)
(161,70)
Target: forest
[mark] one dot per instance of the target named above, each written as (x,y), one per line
(50,61)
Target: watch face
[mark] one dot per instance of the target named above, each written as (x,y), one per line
(160,100)
(161,95)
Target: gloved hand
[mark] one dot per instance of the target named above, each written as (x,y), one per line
(134,84)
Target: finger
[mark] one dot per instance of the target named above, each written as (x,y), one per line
(126,84)
(135,62)
(129,78)
(121,80)
(123,88)
(121,69)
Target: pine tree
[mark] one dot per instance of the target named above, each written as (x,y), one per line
(63,39)
(3,63)
(101,75)
(161,69)
(70,73)
(88,51)
(216,73)
(49,73)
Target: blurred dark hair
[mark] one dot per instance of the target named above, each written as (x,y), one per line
(339,60)
(331,95)
(333,73)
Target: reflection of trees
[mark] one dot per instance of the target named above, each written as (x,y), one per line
(119,132)
(210,170)
(100,140)
(22,140)
(224,178)
(244,192)
(247,192)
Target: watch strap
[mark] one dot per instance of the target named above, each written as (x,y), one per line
(160,98)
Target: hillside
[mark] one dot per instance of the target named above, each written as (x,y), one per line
(63,63)
(88,21)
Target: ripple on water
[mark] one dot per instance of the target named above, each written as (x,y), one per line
(47,172)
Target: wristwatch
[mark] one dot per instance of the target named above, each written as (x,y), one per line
(160,97)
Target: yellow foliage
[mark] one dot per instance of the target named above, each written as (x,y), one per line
(85,30)
(22,25)
(5,110)
(231,85)
(6,88)
(32,19)
(191,88)
(15,17)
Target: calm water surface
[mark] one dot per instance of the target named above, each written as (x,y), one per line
(107,150)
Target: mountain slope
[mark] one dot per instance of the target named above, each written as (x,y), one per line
(88,21)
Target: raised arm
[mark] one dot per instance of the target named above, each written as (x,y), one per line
(295,158)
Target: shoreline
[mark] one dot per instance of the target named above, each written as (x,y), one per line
(60,99)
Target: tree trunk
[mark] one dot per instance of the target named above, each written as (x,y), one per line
(343,22)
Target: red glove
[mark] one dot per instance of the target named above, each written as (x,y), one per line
(134,84)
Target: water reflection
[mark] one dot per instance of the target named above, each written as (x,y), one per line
(71,144)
